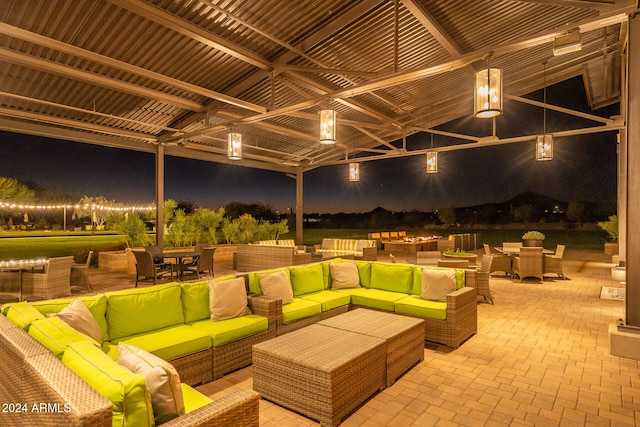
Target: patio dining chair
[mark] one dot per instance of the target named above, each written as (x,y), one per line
(203,264)
(553,263)
(500,262)
(529,263)
(79,274)
(149,270)
(482,278)
(156,253)
(54,282)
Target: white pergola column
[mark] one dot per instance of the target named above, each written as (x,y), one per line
(160,195)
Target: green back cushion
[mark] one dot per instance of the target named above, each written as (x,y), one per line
(125,390)
(306,279)
(254,279)
(136,311)
(392,277)
(417,279)
(55,334)
(22,314)
(195,299)
(364,270)
(97,305)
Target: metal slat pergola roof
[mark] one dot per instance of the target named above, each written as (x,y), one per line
(182,74)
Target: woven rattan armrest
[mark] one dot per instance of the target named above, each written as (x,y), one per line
(238,409)
(265,306)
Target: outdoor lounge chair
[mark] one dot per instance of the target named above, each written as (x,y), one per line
(54,282)
(149,270)
(553,263)
(529,263)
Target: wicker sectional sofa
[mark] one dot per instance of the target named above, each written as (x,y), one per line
(170,321)
(382,286)
(360,249)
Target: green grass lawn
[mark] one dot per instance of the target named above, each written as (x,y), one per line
(37,244)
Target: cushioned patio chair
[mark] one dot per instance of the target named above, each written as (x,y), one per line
(148,270)
(53,283)
(156,253)
(528,264)
(553,263)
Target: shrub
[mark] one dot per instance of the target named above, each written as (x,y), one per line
(611,227)
(533,235)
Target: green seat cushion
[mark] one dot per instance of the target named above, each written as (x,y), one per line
(141,310)
(376,298)
(193,399)
(352,291)
(225,331)
(417,278)
(328,300)
(254,279)
(170,343)
(413,305)
(392,277)
(97,305)
(22,314)
(55,334)
(125,390)
(306,279)
(299,309)
(195,299)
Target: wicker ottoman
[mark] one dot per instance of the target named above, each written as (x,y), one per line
(404,336)
(321,372)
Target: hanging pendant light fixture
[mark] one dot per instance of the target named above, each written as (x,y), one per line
(354,172)
(488,92)
(327,127)
(544,142)
(432,162)
(234,148)
(432,156)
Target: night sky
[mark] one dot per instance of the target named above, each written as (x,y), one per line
(583,168)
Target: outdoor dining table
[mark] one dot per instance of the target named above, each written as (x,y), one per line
(20,266)
(178,256)
(516,251)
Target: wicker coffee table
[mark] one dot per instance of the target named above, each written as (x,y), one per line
(404,336)
(321,372)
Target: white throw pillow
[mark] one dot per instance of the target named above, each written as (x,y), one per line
(228,299)
(277,285)
(78,316)
(162,379)
(436,284)
(344,275)
(360,244)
